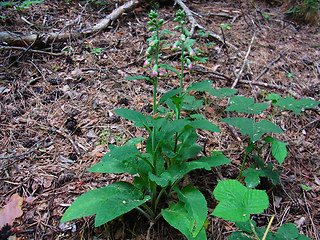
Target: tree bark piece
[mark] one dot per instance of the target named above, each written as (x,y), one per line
(41,40)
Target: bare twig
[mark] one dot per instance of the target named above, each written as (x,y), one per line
(267,68)
(244,62)
(30,50)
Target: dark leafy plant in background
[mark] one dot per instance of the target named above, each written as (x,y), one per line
(171,151)
(306,12)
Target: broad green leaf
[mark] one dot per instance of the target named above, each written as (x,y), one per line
(278,149)
(200,86)
(273,97)
(189,103)
(168,95)
(267,170)
(243,104)
(289,103)
(252,177)
(286,232)
(168,67)
(177,171)
(236,202)
(106,203)
(138,118)
(118,160)
(205,125)
(253,129)
(223,92)
(163,182)
(134,141)
(188,215)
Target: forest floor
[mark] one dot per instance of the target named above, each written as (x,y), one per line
(57,119)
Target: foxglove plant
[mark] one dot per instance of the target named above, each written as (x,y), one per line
(171,151)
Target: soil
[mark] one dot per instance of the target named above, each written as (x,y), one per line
(57,119)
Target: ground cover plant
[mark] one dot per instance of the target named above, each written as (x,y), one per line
(57,116)
(171,152)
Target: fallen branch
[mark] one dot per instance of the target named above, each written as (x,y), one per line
(41,40)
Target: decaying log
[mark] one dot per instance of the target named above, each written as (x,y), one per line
(41,40)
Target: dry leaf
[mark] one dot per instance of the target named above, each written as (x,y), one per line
(11,210)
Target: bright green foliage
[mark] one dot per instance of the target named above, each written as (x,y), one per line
(289,103)
(287,231)
(236,202)
(278,148)
(243,104)
(19,6)
(106,203)
(171,150)
(253,129)
(189,214)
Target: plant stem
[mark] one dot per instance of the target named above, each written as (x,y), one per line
(254,230)
(242,166)
(267,230)
(144,213)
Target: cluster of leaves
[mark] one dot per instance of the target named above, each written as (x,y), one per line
(171,151)
(19,5)
(307,12)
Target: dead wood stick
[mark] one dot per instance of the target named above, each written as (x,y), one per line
(30,50)
(244,63)
(195,24)
(267,68)
(18,39)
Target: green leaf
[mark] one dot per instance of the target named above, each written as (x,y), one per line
(138,118)
(305,188)
(200,86)
(106,203)
(253,129)
(237,202)
(190,104)
(205,124)
(168,95)
(243,104)
(274,97)
(118,160)
(289,103)
(168,67)
(267,170)
(223,92)
(278,149)
(188,215)
(138,78)
(252,177)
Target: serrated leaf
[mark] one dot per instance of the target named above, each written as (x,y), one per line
(138,118)
(236,202)
(243,104)
(253,129)
(188,215)
(205,124)
(278,149)
(200,86)
(168,67)
(190,104)
(223,92)
(289,103)
(106,203)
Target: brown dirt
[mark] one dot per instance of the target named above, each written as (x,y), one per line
(56,115)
